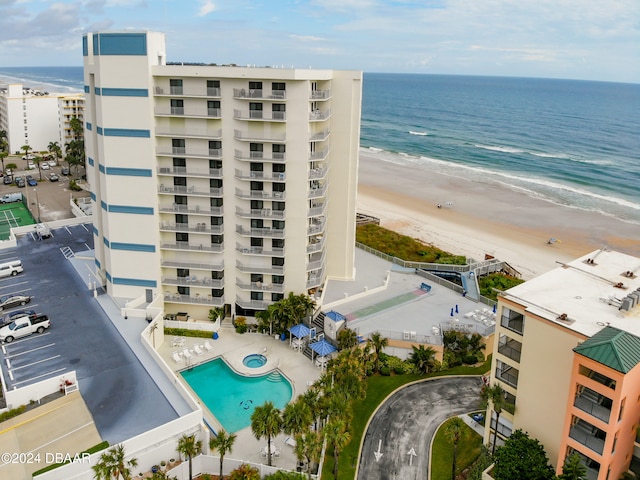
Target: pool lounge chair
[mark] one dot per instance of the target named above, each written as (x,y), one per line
(187,354)
(207,346)
(290,441)
(198,349)
(176,357)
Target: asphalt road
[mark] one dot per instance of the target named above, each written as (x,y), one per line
(407,421)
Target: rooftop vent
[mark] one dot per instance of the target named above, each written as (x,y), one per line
(563,317)
(619,285)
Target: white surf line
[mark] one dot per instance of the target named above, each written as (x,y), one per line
(35,363)
(29,351)
(39,376)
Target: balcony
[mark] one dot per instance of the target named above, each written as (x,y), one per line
(319,155)
(191,91)
(594,404)
(252,304)
(260,213)
(509,348)
(259,137)
(260,232)
(507,374)
(194,190)
(318,173)
(514,321)
(189,112)
(588,435)
(319,115)
(316,264)
(258,93)
(315,279)
(211,153)
(260,287)
(193,281)
(195,228)
(260,176)
(597,377)
(190,172)
(315,245)
(181,132)
(317,192)
(215,267)
(260,115)
(193,300)
(273,252)
(316,227)
(192,210)
(320,136)
(273,269)
(274,157)
(214,247)
(260,195)
(320,95)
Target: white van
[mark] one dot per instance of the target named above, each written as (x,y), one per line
(10,268)
(11,197)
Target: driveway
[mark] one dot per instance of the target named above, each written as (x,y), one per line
(398,441)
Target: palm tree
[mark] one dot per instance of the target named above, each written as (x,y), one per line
(113,465)
(223,443)
(311,399)
(3,155)
(54,147)
(378,343)
(265,317)
(573,469)
(26,149)
(423,358)
(309,446)
(189,447)
(494,396)
(38,161)
(454,431)
(216,312)
(266,422)
(296,419)
(338,437)
(347,338)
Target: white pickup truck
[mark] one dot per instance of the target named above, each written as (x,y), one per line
(24,326)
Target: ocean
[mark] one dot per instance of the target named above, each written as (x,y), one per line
(573,143)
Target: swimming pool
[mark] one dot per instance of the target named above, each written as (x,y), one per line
(230,397)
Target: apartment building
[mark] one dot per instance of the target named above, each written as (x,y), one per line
(218,186)
(567,354)
(37,118)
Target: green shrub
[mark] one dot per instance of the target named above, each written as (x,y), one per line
(14,412)
(281,475)
(496,281)
(385,371)
(73,185)
(245,472)
(96,448)
(470,360)
(241,325)
(183,332)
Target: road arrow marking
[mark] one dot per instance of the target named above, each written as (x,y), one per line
(412,453)
(378,454)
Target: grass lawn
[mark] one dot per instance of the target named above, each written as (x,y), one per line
(469,449)
(378,388)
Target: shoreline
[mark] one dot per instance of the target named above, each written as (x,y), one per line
(485,219)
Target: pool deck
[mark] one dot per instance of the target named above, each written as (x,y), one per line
(233,348)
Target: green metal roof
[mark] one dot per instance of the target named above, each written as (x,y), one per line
(612,347)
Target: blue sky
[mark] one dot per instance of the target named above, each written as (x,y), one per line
(578,39)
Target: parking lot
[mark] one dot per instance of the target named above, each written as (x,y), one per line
(115,386)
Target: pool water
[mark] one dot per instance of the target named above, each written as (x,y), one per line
(255,360)
(230,397)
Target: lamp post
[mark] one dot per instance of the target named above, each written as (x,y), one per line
(37,203)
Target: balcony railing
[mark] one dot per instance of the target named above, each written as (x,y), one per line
(260,176)
(191,91)
(508,375)
(190,172)
(315,264)
(260,287)
(315,280)
(260,115)
(196,228)
(166,131)
(260,213)
(259,137)
(274,269)
(320,136)
(252,304)
(317,227)
(193,281)
(190,112)
(216,267)
(319,115)
(274,157)
(510,348)
(315,246)
(260,232)
(260,195)
(211,153)
(193,190)
(273,252)
(586,438)
(196,300)
(319,155)
(317,192)
(217,247)
(259,93)
(317,173)
(320,94)
(515,324)
(586,403)
(192,209)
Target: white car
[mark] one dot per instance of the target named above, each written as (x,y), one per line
(31,165)
(44,166)
(52,163)
(28,157)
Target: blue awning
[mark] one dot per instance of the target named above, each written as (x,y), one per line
(300,330)
(335,316)
(322,348)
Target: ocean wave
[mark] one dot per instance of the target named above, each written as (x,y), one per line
(420,134)
(499,149)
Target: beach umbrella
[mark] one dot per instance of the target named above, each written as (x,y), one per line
(495,308)
(300,330)
(322,348)
(451,312)
(456,308)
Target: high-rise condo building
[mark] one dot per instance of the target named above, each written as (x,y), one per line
(567,353)
(215,185)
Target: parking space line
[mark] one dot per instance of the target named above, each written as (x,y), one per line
(83,226)
(35,363)
(67,229)
(39,376)
(28,351)
(13,285)
(88,247)
(30,337)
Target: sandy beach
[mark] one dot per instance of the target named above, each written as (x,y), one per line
(485,218)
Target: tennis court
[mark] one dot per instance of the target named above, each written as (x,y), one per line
(13,215)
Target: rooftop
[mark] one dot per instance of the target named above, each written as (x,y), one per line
(612,347)
(586,294)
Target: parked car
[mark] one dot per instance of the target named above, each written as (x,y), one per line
(52,163)
(24,326)
(65,171)
(43,231)
(44,166)
(8,301)
(53,177)
(20,182)
(28,157)
(11,197)
(8,180)
(10,317)
(31,165)
(31,181)
(8,171)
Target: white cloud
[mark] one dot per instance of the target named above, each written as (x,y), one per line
(206,8)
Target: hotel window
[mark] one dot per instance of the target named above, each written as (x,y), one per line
(257,204)
(257,223)
(277,262)
(215,221)
(255,85)
(276,297)
(180,181)
(215,164)
(215,183)
(175,86)
(256,242)
(621,408)
(178,145)
(217,239)
(278,206)
(177,107)
(278,168)
(256,277)
(183,272)
(278,224)
(213,108)
(278,187)
(277,242)
(215,202)
(278,89)
(256,167)
(255,110)
(255,150)
(182,237)
(278,111)
(183,291)
(213,88)
(182,219)
(256,295)
(217,292)
(180,200)
(256,186)
(277,279)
